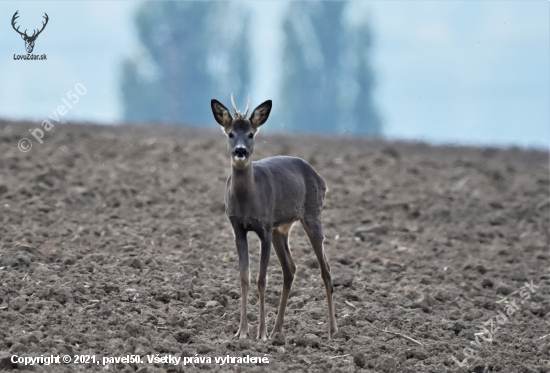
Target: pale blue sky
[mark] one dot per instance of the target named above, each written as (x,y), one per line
(465,72)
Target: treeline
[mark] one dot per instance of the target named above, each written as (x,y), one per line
(195,51)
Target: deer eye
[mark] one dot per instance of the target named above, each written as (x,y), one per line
(230,135)
(250,135)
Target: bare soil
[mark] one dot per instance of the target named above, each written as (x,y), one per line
(114,242)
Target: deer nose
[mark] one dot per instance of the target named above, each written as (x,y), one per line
(241,151)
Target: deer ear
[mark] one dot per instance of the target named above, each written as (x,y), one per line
(221,114)
(260,114)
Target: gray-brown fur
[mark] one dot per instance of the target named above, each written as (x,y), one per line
(267,197)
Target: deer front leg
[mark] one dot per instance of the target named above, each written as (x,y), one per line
(242,249)
(265,238)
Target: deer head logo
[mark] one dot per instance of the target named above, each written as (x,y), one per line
(29,40)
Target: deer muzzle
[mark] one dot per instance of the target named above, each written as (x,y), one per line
(240,153)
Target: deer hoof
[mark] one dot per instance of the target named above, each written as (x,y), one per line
(278,339)
(242,334)
(334,334)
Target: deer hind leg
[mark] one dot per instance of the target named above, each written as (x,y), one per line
(265,253)
(280,244)
(314,229)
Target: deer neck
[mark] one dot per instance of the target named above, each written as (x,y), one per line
(242,182)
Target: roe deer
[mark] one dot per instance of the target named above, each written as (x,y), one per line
(267,197)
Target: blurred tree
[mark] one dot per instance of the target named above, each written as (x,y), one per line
(327,80)
(192,52)
(141,98)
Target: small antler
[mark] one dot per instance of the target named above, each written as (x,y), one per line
(234,106)
(238,115)
(15,16)
(35,34)
(247,107)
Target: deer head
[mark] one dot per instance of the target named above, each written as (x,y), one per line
(29,40)
(239,129)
